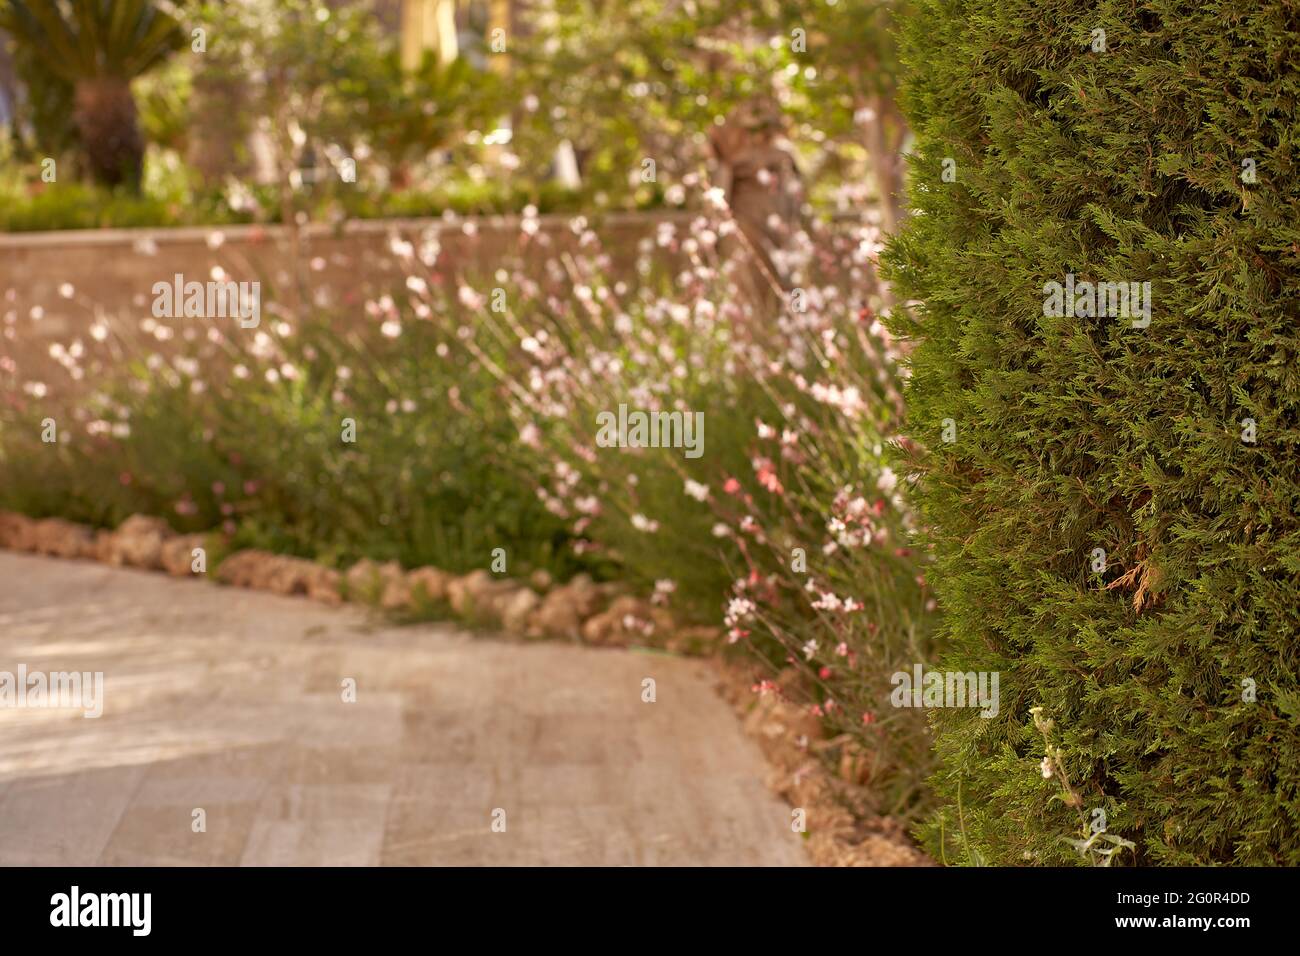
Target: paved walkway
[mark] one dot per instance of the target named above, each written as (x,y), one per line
(231,702)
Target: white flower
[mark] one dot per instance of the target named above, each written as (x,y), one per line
(828,602)
(642,523)
(1046,767)
(887,480)
(696,490)
(469,298)
(809,650)
(738,609)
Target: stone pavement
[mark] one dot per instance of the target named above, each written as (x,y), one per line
(232,702)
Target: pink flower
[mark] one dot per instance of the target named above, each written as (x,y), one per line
(731,486)
(768,479)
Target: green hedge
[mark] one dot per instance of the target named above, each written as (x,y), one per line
(1130,163)
(77,206)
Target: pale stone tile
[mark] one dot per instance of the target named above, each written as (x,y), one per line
(64,820)
(229,700)
(165,836)
(319,825)
(312,843)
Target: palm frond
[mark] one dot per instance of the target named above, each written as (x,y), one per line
(81,39)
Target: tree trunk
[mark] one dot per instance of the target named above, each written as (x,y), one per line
(105,114)
(761,182)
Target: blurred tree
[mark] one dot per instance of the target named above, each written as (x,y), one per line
(428,26)
(841,88)
(324,84)
(410,113)
(43,123)
(633,80)
(164,98)
(97,47)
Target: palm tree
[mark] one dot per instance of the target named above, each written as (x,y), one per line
(98,47)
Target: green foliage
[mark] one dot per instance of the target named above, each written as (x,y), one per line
(408,114)
(628,81)
(164,98)
(89,52)
(46,107)
(81,39)
(299,66)
(465,198)
(248,436)
(1082,433)
(170,199)
(76,206)
(347,126)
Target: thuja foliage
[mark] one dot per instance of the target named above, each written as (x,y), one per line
(1114,509)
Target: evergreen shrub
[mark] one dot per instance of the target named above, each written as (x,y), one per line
(1114,506)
